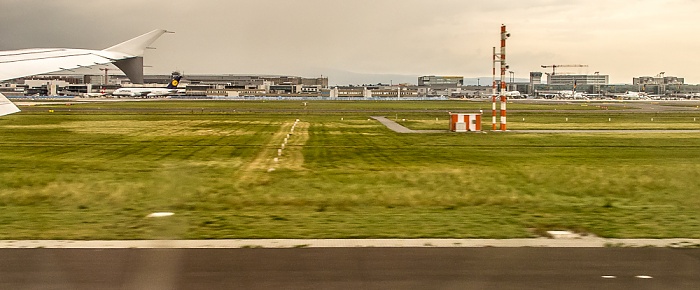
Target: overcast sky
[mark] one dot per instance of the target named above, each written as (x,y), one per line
(374,40)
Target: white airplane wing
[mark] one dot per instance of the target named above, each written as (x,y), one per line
(27,62)
(7,107)
(128,56)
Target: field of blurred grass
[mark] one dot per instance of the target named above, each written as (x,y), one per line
(95,171)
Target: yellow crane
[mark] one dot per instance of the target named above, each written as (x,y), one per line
(555,66)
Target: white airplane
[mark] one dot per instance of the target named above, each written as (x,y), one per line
(565,94)
(127,56)
(150,92)
(571,95)
(512,94)
(632,95)
(102,93)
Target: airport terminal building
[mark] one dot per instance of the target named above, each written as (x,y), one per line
(440,81)
(429,86)
(564,79)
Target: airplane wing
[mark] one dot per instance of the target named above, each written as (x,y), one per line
(27,62)
(7,107)
(127,56)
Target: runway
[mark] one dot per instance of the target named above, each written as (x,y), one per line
(398,128)
(351,268)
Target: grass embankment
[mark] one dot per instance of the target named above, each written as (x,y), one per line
(96,175)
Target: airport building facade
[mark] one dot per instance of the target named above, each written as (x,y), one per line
(658,80)
(440,81)
(564,79)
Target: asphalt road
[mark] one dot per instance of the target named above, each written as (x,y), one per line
(398,128)
(351,268)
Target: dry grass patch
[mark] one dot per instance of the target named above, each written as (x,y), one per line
(157,128)
(256,172)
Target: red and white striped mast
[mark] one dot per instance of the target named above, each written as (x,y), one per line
(501,58)
(504,67)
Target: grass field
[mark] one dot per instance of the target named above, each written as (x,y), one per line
(94,171)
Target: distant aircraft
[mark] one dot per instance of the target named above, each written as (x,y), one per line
(513,94)
(632,95)
(151,92)
(571,95)
(95,95)
(127,56)
(565,94)
(510,94)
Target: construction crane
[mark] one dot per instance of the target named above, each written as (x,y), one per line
(555,66)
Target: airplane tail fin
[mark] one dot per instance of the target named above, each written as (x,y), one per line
(174,81)
(7,107)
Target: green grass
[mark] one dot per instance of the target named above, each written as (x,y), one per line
(96,171)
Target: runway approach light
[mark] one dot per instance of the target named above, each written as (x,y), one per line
(160,214)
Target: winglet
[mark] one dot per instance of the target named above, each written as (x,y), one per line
(132,68)
(137,46)
(7,107)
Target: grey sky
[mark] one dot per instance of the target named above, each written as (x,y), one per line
(622,38)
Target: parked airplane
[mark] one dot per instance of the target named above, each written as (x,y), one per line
(510,94)
(632,96)
(565,94)
(101,93)
(513,94)
(93,95)
(572,95)
(151,92)
(127,56)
